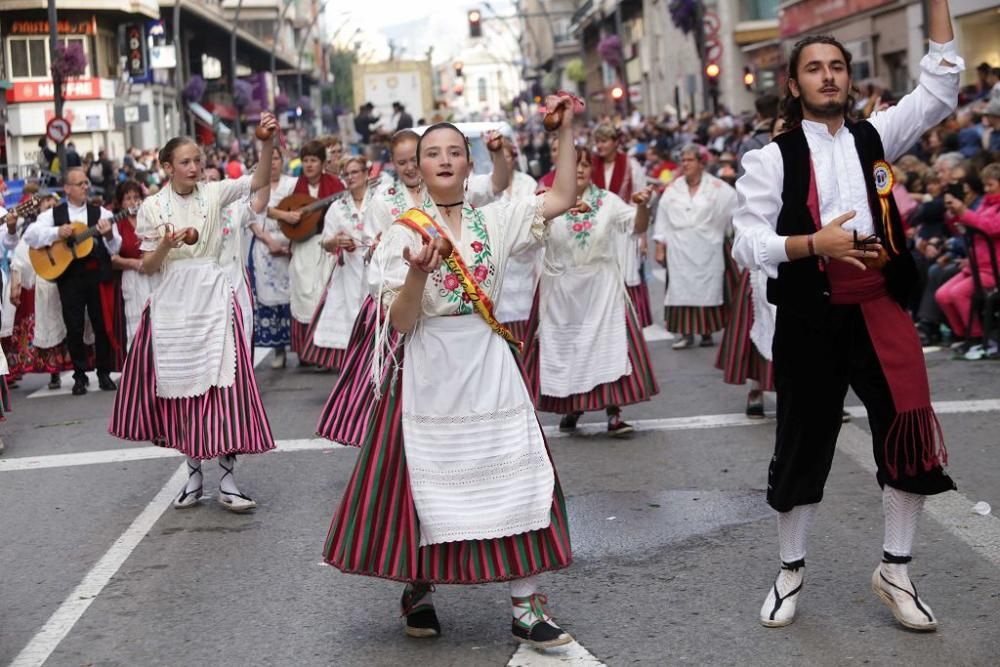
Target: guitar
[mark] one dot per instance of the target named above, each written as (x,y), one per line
(27,208)
(312,211)
(52,261)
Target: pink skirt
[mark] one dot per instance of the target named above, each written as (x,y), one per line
(640,299)
(223,420)
(300,332)
(738,357)
(310,353)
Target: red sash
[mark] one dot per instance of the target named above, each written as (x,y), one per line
(429,230)
(621,177)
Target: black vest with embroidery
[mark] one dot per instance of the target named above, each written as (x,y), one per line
(60,215)
(801,284)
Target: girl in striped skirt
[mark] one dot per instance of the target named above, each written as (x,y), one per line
(188,381)
(454,483)
(591,353)
(345,414)
(347,237)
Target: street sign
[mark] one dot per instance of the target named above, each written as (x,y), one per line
(57,130)
(132,114)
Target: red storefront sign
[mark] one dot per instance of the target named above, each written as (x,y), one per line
(88,27)
(808,14)
(43,91)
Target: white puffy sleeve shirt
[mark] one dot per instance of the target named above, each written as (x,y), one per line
(839,178)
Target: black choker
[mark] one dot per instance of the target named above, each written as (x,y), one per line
(458,203)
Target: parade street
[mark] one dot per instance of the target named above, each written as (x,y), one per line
(674,545)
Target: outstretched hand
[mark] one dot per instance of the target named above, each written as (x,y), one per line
(426,260)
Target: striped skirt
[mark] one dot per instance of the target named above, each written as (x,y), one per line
(636,387)
(738,357)
(345,415)
(694,320)
(527,332)
(22,355)
(376,530)
(324,357)
(639,294)
(300,331)
(224,420)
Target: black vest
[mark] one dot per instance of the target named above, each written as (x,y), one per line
(60,215)
(801,284)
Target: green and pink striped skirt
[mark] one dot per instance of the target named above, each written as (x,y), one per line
(638,386)
(376,530)
(345,416)
(738,357)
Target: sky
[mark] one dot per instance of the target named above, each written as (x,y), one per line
(413,25)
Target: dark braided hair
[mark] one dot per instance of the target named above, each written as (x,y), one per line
(791,106)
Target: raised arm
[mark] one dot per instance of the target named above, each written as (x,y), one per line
(562,196)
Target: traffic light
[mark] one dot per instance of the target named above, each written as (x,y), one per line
(748,78)
(475,23)
(712,72)
(458,69)
(617,93)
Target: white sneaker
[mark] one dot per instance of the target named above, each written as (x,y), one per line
(684,343)
(779,606)
(893,586)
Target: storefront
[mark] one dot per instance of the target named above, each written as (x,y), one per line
(977,28)
(885,37)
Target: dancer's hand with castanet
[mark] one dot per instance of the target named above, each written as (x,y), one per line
(835,242)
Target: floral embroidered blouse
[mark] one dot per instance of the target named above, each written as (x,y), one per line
(597,237)
(490,235)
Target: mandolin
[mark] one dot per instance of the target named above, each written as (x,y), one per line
(52,261)
(312,210)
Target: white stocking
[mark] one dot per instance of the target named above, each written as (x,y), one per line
(902,510)
(228,482)
(194,480)
(793,530)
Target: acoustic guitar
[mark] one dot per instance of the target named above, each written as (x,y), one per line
(312,211)
(52,261)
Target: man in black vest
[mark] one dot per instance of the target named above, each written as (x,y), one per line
(79,288)
(816,213)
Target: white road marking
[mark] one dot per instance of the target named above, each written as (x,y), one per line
(570,654)
(952,510)
(67,385)
(733,420)
(126,455)
(69,612)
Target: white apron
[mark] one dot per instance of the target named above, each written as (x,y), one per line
(271,271)
(582,333)
(347,287)
(583,338)
(308,272)
(136,289)
(764,312)
(193,343)
(474,451)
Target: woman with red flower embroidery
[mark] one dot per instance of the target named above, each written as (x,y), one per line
(583,298)
(346,411)
(454,483)
(348,232)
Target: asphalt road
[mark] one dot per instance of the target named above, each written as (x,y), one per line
(674,546)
